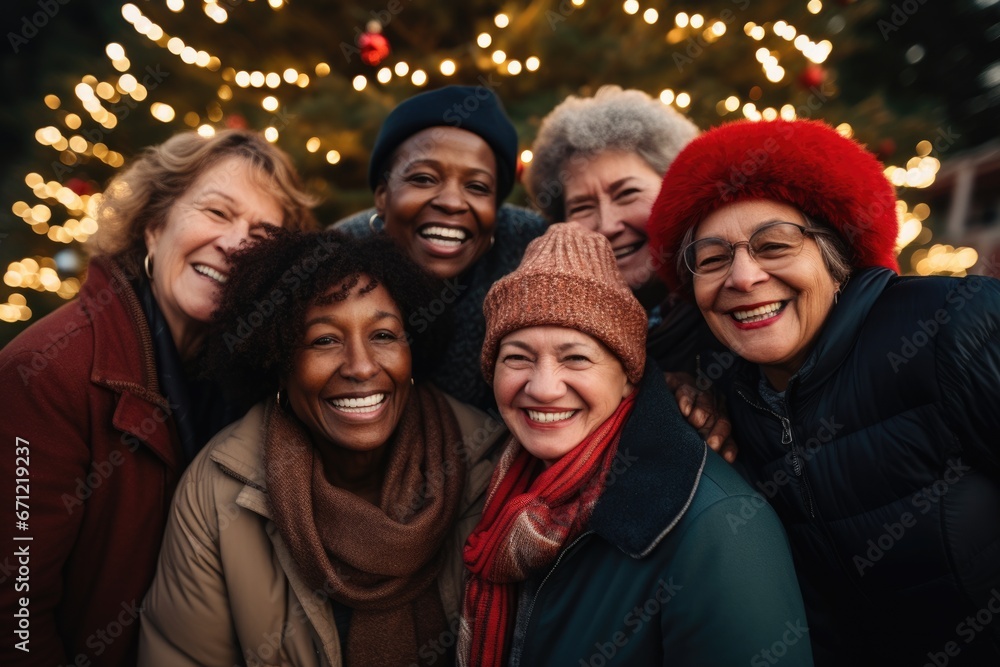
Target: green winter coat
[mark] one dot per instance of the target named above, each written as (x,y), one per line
(682,564)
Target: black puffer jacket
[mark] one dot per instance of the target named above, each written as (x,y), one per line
(885,470)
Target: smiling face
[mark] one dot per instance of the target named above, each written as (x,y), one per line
(439,202)
(771,318)
(554,386)
(223,208)
(613,193)
(350,380)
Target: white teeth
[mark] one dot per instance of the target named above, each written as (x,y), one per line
(757,314)
(358,405)
(211,273)
(549,417)
(446,236)
(627,250)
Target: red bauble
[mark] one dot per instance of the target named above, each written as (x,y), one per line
(374,47)
(236,122)
(812,76)
(80,186)
(886,149)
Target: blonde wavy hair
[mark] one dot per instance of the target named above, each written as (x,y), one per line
(140,199)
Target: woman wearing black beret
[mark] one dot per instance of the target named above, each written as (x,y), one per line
(442,164)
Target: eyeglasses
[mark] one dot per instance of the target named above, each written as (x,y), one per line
(771,247)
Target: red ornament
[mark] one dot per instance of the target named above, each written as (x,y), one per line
(236,122)
(80,186)
(812,76)
(373,44)
(886,149)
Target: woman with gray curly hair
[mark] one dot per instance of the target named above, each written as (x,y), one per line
(599,161)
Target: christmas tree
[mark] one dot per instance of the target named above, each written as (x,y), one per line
(95,82)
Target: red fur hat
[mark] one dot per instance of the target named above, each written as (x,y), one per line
(807,164)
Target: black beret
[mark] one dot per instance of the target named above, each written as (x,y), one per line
(476,109)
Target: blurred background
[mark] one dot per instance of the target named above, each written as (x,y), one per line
(89,84)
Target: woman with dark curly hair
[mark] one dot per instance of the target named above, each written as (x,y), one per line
(108,404)
(325,527)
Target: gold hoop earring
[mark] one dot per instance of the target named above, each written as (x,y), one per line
(371,224)
(277,398)
(145,264)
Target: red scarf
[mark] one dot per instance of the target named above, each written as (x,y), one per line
(527,521)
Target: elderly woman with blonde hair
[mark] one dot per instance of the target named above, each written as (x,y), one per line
(110,407)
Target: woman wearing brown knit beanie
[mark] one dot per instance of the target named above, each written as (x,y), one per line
(599,161)
(611,533)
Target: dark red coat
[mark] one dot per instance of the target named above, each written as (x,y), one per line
(103,459)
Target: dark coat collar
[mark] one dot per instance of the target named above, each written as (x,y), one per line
(662,457)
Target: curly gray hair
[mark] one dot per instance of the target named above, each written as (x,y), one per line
(613,119)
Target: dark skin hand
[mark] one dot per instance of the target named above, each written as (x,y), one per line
(704,413)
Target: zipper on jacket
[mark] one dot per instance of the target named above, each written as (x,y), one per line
(538,591)
(788,440)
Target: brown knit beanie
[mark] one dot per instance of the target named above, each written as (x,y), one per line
(568,278)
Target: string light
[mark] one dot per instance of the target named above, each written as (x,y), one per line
(918,172)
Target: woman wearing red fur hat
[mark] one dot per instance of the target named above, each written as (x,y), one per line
(864,402)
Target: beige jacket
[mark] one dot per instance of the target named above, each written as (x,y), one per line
(227,592)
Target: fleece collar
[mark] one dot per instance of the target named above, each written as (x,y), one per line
(655,473)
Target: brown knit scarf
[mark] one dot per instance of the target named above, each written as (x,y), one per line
(383,561)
